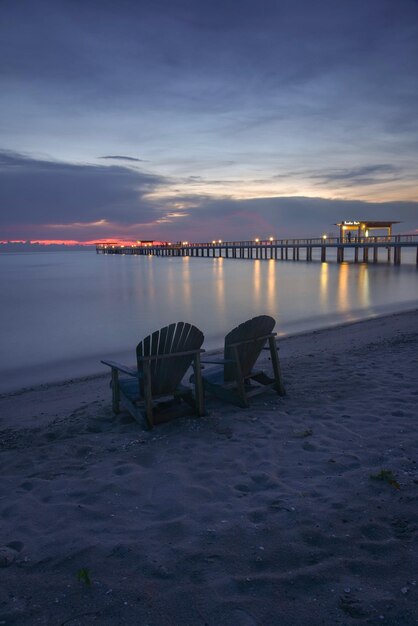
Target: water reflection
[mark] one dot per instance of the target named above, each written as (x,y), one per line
(348,286)
(323,286)
(187,288)
(75,307)
(220,283)
(271,285)
(256,286)
(343,299)
(363,286)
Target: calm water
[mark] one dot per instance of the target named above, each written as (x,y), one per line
(62,312)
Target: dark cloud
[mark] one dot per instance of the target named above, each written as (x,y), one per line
(123,158)
(209,53)
(360,176)
(363,175)
(227,218)
(43,192)
(95,202)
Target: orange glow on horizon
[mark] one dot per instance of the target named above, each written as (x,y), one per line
(70,242)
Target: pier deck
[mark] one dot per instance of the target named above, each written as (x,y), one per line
(365,249)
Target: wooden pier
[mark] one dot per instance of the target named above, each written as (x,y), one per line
(360,249)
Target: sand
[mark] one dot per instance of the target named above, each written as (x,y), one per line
(278,514)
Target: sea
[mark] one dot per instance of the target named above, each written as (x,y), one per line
(62,312)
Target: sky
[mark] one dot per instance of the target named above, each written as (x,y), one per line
(200,119)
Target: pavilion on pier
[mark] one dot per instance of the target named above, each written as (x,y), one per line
(363,228)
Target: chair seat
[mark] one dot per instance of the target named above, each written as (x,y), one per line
(130,389)
(215,376)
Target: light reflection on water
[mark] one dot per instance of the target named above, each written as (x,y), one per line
(64,311)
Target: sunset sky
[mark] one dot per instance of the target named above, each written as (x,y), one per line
(196,119)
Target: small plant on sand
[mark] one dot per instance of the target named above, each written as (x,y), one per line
(387,476)
(83,576)
(303,433)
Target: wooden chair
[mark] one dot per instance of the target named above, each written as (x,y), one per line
(236,380)
(162,361)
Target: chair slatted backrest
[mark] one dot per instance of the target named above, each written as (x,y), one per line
(167,373)
(249,351)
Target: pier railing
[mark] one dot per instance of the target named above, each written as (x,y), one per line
(282,249)
(309,241)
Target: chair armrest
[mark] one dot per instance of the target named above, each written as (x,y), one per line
(253,340)
(220,362)
(157,357)
(122,368)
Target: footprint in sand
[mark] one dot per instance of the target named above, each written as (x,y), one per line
(27,486)
(352,606)
(244,489)
(403,529)
(240,617)
(7,556)
(123,470)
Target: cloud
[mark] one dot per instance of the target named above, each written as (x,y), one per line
(50,192)
(227,218)
(123,158)
(43,199)
(363,175)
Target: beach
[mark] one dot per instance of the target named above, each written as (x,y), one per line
(298,510)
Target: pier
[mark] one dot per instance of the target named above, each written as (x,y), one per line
(356,249)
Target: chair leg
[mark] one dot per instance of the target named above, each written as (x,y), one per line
(242,396)
(148,394)
(198,386)
(115,391)
(276,367)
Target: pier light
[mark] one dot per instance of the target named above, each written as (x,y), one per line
(257,240)
(214,241)
(169,243)
(139,242)
(219,240)
(324,237)
(185,243)
(271,238)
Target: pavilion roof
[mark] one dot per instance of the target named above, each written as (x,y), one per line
(368,223)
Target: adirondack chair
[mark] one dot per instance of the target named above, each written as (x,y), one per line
(162,361)
(236,380)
